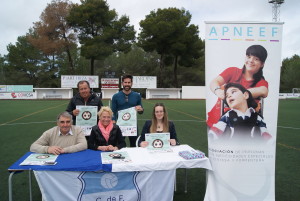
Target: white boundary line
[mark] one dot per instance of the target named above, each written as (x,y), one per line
(285,127)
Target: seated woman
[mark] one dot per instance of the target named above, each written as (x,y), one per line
(106,136)
(159,124)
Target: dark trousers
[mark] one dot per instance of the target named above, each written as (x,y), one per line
(132,140)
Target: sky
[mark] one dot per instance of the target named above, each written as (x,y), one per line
(17,16)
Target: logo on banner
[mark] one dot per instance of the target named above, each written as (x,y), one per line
(86,115)
(109,186)
(126,116)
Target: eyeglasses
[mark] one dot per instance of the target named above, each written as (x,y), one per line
(62,122)
(126,98)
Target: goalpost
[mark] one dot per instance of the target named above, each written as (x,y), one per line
(296,91)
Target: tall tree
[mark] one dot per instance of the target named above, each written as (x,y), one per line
(2,69)
(168,31)
(25,62)
(290,73)
(100,31)
(53,35)
(135,62)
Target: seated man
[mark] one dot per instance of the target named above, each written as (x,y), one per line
(63,138)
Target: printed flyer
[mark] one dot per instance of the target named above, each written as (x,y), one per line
(158,142)
(127,121)
(87,118)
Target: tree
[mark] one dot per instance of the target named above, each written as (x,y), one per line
(290,73)
(168,31)
(2,69)
(100,32)
(53,36)
(136,62)
(25,62)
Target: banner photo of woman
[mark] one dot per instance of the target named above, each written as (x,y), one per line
(242,62)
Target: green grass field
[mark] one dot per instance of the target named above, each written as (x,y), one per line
(22,122)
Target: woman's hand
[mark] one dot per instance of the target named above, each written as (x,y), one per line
(172,142)
(144,144)
(216,86)
(103,148)
(220,93)
(112,148)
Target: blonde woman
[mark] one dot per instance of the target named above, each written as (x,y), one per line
(159,124)
(106,136)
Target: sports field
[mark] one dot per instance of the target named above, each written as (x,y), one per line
(23,121)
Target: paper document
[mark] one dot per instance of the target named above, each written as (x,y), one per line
(40,159)
(115,157)
(158,142)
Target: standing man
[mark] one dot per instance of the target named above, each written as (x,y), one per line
(125,99)
(63,138)
(84,97)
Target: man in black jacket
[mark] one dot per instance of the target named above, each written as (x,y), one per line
(84,97)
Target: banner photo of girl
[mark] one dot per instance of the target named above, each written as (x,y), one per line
(242,62)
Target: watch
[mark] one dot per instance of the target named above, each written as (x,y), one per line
(218,87)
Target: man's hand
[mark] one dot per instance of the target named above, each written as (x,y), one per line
(55,150)
(75,112)
(139,108)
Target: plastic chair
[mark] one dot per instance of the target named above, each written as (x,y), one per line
(137,141)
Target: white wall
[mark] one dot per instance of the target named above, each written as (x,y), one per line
(53,93)
(18,95)
(156,93)
(108,93)
(193,92)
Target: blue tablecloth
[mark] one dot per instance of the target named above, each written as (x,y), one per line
(87,160)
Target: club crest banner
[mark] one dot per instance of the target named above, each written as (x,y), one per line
(242,62)
(106,186)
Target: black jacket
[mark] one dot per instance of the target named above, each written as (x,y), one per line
(115,138)
(146,129)
(78,100)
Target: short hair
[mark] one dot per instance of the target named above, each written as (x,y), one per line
(127,76)
(83,81)
(105,109)
(64,114)
(250,101)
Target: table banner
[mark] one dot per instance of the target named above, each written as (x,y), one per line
(242,62)
(127,121)
(106,186)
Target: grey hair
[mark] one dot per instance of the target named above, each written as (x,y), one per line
(64,114)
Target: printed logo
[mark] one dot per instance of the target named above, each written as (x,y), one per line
(86,115)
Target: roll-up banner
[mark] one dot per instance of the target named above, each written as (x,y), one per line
(243,61)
